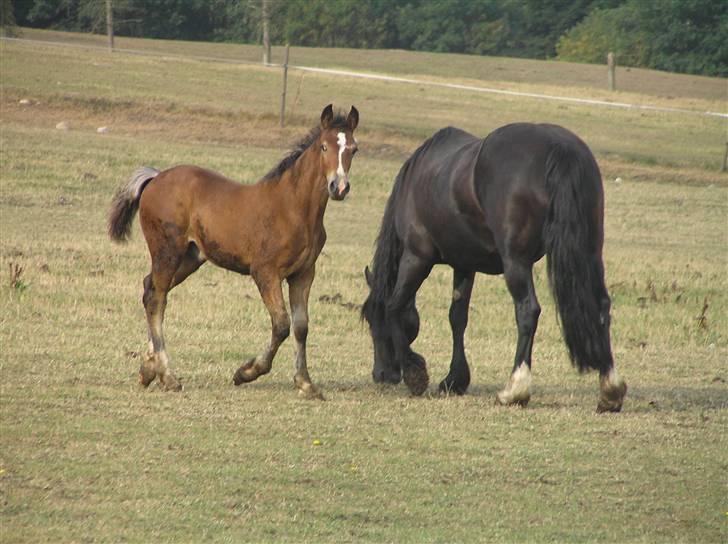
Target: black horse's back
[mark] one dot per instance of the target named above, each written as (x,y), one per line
(511,174)
(437,155)
(495,206)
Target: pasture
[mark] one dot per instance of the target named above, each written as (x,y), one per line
(87,456)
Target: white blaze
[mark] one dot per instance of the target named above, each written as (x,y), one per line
(341,140)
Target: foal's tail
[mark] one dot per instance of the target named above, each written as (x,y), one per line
(126,202)
(574,236)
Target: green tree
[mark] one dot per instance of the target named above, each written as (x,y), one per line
(339,23)
(688,36)
(8,26)
(680,35)
(534,26)
(618,30)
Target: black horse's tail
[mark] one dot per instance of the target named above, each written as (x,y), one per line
(126,202)
(573,237)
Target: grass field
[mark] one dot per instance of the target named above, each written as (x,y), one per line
(85,456)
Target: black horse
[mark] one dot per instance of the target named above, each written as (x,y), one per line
(494,206)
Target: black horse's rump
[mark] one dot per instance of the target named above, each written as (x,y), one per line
(494,206)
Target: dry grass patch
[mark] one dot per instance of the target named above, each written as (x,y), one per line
(86,456)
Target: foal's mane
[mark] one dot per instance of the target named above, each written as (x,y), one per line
(338,122)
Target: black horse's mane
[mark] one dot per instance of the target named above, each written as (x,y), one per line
(389,248)
(338,122)
(385,265)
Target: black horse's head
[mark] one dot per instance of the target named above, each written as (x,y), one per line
(386,369)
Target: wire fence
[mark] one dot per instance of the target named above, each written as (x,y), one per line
(391,79)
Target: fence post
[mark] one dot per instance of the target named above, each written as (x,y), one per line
(266,33)
(610,71)
(724,168)
(110,24)
(285,82)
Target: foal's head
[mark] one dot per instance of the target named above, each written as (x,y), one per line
(337,147)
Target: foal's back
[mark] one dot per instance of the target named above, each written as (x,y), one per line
(191,205)
(181,189)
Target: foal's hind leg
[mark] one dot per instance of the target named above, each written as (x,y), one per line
(519,279)
(191,261)
(458,379)
(269,285)
(169,269)
(156,363)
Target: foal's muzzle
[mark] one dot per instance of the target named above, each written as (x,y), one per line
(339,188)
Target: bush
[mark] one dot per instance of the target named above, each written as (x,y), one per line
(689,36)
(604,30)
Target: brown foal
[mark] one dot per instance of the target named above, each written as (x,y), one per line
(272,230)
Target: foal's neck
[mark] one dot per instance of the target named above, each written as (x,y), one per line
(305,182)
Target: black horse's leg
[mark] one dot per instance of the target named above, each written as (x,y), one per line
(412,272)
(458,379)
(519,279)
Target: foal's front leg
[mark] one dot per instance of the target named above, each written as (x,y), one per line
(269,285)
(299,288)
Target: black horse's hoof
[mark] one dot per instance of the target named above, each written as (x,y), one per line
(416,380)
(388,376)
(449,386)
(415,374)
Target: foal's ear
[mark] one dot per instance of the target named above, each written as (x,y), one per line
(353,119)
(327,116)
(368,276)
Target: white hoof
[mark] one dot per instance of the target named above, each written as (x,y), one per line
(518,390)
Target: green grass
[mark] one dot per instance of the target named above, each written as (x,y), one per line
(566,76)
(86,456)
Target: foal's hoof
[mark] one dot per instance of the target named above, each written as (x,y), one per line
(170,383)
(146,376)
(309,391)
(246,373)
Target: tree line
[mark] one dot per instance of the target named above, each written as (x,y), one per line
(689,36)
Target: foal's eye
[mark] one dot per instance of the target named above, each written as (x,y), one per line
(324,147)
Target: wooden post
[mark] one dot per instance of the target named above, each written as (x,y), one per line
(266,33)
(110,24)
(724,168)
(610,71)
(285,82)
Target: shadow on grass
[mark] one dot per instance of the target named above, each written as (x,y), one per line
(640,399)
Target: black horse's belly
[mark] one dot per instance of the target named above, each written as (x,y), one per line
(468,245)
(458,233)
